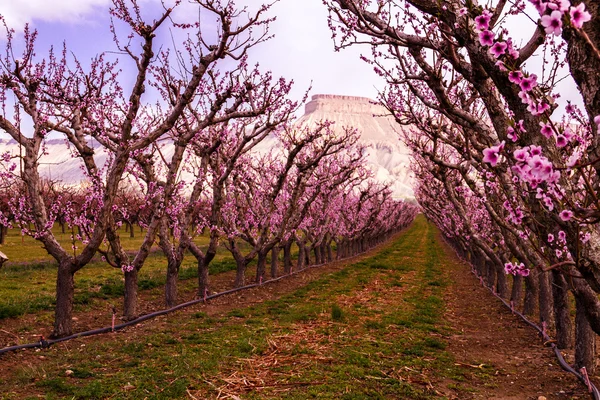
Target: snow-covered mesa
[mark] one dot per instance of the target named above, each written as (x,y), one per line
(387,156)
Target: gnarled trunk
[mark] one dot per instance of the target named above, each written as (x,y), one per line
(287,257)
(274,261)
(130,303)
(63,312)
(585,340)
(560,296)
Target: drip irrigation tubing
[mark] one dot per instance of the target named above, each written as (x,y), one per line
(583,377)
(43,343)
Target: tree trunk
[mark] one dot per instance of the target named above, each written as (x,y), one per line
(63,312)
(545,298)
(203,272)
(501,283)
(531,295)
(274,261)
(171,284)
(490,274)
(560,295)
(130,301)
(240,273)
(516,295)
(131,231)
(301,258)
(585,340)
(287,257)
(261,267)
(329,252)
(3,232)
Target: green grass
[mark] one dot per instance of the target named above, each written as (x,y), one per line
(374,330)
(27,281)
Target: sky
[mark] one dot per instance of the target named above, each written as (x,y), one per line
(302,48)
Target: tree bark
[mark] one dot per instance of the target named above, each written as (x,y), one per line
(501,283)
(560,295)
(171,283)
(545,294)
(261,266)
(130,310)
(585,340)
(63,312)
(531,295)
(274,261)
(287,257)
(516,295)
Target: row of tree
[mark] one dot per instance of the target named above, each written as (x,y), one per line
(176,151)
(508,173)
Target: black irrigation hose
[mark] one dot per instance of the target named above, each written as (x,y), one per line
(47,343)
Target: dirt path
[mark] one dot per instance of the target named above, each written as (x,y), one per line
(389,340)
(487,333)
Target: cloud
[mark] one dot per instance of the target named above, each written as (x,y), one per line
(18,13)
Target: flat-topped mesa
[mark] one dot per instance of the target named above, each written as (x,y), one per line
(331,103)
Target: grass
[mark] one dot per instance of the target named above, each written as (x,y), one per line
(27,281)
(372,330)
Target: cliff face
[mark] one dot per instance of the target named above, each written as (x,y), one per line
(387,156)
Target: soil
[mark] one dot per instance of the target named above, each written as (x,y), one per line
(522,367)
(487,335)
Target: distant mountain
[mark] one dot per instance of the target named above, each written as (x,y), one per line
(387,155)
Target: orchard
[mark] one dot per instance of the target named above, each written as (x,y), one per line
(498,102)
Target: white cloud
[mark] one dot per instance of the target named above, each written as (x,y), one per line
(18,13)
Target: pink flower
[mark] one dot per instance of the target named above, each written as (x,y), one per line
(579,16)
(535,150)
(492,155)
(552,23)
(540,5)
(511,134)
(527,84)
(566,215)
(515,76)
(498,49)
(561,141)
(486,38)
(521,155)
(483,21)
(462,11)
(546,130)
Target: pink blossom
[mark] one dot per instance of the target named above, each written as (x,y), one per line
(492,154)
(462,11)
(552,23)
(550,238)
(579,16)
(561,141)
(515,77)
(498,49)
(546,130)
(527,84)
(566,215)
(486,38)
(483,21)
(521,154)
(511,134)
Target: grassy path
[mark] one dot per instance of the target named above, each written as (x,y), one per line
(376,329)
